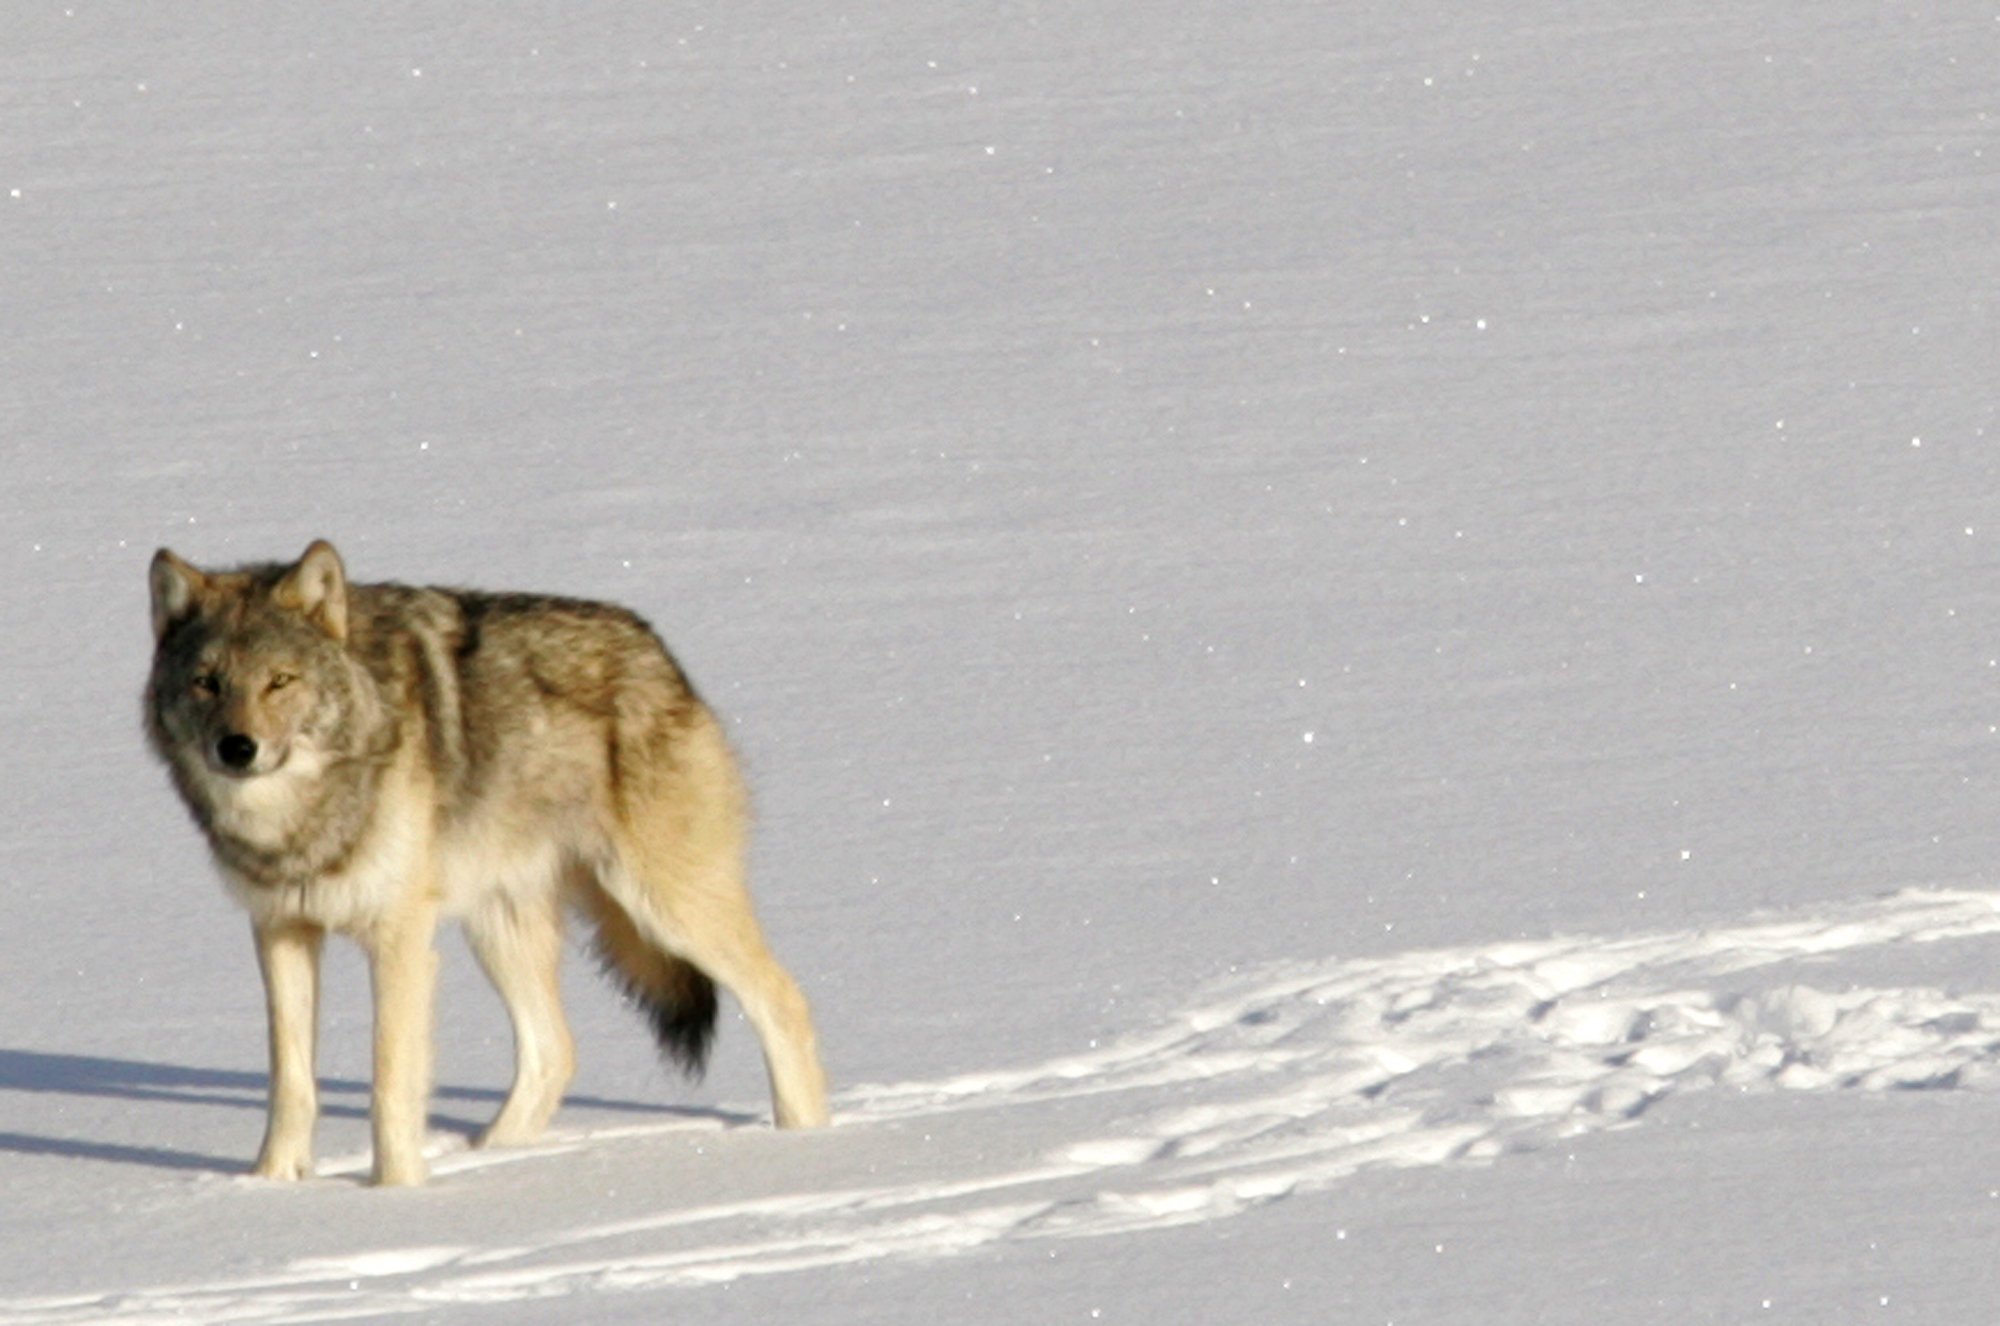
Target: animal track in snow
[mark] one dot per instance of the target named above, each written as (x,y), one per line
(1284,1082)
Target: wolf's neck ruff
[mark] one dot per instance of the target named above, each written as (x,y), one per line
(291,827)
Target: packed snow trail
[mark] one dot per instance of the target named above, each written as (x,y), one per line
(1279,1083)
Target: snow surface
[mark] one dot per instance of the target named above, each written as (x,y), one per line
(1367,636)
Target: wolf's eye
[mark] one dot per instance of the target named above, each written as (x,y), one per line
(207,684)
(280,680)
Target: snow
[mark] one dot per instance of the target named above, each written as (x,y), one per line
(1364,634)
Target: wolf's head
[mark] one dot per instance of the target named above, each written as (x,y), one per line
(250,666)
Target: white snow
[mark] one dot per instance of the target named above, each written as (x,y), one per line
(1363,632)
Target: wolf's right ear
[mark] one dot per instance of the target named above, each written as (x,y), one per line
(176,588)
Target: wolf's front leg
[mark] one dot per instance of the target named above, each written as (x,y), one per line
(403,971)
(288,955)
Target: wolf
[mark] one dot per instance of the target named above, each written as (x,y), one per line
(366,759)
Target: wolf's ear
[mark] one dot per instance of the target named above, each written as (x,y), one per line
(176,588)
(316,589)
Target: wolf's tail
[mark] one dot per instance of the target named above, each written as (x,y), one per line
(677,998)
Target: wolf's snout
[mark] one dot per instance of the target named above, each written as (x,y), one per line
(236,751)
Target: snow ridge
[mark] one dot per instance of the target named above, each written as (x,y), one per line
(1281,1083)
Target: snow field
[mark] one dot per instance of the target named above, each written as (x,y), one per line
(1319,499)
(1279,1084)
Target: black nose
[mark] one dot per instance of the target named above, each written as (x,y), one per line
(236,751)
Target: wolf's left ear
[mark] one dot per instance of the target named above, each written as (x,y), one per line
(316,589)
(176,586)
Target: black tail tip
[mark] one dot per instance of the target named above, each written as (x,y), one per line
(685,1026)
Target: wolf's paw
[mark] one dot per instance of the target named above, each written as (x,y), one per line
(283,1167)
(399,1173)
(505,1132)
(811,1115)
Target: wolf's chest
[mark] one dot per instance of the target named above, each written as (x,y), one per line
(294,848)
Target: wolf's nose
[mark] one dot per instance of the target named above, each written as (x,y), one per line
(236,750)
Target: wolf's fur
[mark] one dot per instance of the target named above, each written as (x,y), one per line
(367,758)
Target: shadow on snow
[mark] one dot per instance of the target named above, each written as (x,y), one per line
(43,1072)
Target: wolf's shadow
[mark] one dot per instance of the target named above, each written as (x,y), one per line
(42,1073)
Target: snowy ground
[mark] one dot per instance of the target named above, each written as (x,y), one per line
(1368,638)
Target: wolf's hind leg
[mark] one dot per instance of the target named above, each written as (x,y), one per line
(519,944)
(731,949)
(288,955)
(698,911)
(677,870)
